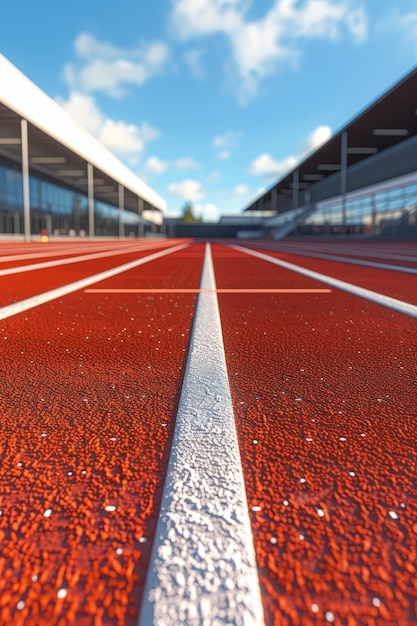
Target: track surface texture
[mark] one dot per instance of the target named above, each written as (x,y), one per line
(322,384)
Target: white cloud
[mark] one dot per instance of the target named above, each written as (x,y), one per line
(106,68)
(154,166)
(209,212)
(226,143)
(241,190)
(259,47)
(84,110)
(317,138)
(269,168)
(189,190)
(193,59)
(124,139)
(186,163)
(229,140)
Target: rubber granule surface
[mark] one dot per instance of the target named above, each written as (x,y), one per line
(88,397)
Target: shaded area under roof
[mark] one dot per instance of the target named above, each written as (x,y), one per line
(389,120)
(58,147)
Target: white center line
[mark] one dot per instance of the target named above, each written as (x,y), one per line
(47,296)
(367,294)
(203,568)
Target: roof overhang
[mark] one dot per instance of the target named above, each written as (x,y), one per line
(59,148)
(389,120)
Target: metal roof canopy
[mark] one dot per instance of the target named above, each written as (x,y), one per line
(389,120)
(59,148)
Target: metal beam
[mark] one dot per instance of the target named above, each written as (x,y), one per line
(11,141)
(90,185)
(121,210)
(25,179)
(373,223)
(343,172)
(141,228)
(295,189)
(274,199)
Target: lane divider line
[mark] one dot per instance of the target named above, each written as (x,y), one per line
(340,248)
(367,294)
(352,261)
(75,259)
(203,568)
(55,250)
(208,291)
(53,294)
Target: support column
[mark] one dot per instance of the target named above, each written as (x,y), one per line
(295,189)
(274,199)
(121,210)
(373,222)
(90,185)
(343,173)
(25,179)
(141,229)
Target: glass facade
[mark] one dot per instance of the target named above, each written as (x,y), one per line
(57,209)
(388,209)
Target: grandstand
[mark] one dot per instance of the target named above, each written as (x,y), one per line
(56,177)
(362,181)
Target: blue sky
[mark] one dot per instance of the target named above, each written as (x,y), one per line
(210,101)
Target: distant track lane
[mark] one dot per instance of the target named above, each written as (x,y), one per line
(382,299)
(39,299)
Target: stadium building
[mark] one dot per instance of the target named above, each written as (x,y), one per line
(56,177)
(362,181)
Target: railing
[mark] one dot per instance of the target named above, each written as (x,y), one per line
(287,228)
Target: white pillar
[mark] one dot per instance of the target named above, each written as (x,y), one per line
(121,210)
(25,179)
(90,185)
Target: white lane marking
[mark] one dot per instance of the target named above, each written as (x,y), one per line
(68,260)
(54,250)
(353,251)
(353,261)
(203,568)
(47,296)
(367,294)
(261,291)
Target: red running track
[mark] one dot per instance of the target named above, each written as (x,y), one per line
(324,399)
(90,386)
(323,386)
